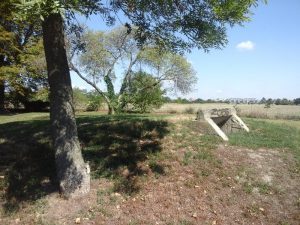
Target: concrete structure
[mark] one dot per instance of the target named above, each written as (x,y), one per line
(223,121)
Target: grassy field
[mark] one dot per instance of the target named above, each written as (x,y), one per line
(153,169)
(245,110)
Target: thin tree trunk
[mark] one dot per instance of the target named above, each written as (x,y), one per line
(72,172)
(111,110)
(2,86)
(2,95)
(110,94)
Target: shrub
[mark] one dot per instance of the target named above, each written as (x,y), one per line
(189,110)
(145,93)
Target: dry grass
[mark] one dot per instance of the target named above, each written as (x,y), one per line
(153,169)
(291,112)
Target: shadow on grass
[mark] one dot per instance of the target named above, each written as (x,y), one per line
(115,145)
(27,163)
(112,145)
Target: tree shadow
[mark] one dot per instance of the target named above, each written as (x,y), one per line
(27,163)
(116,146)
(112,145)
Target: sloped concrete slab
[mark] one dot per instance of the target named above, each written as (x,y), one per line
(223,121)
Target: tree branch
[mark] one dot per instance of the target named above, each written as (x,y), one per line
(72,67)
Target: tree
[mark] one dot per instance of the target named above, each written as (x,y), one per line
(19,44)
(178,25)
(32,74)
(103,51)
(96,62)
(263,101)
(145,93)
(297,101)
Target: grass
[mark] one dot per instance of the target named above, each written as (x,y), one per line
(23,117)
(116,146)
(110,144)
(263,188)
(270,134)
(287,112)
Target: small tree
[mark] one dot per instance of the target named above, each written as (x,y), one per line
(145,93)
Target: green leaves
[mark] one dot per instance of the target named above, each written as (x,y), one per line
(36,9)
(182,25)
(145,92)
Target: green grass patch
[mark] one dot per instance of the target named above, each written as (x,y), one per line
(23,117)
(269,134)
(187,158)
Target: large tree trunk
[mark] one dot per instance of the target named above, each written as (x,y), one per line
(72,172)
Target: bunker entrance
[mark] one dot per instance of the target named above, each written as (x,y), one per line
(223,121)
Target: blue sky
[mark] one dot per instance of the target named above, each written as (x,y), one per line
(262,58)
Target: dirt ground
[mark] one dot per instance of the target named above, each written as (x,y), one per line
(251,187)
(233,186)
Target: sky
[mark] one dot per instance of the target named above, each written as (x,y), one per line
(261,59)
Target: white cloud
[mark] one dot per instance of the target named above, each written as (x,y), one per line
(245,45)
(219,91)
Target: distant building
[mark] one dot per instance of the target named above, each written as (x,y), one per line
(242,100)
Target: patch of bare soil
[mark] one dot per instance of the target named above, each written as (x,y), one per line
(245,187)
(252,187)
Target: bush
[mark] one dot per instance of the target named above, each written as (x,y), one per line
(95,101)
(92,106)
(189,110)
(145,93)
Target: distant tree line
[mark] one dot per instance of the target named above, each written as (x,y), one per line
(278,101)
(264,101)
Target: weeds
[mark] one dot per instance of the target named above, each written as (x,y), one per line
(187,158)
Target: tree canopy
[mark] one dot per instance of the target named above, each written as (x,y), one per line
(105,52)
(177,25)
(22,61)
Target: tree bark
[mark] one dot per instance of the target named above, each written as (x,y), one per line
(73,174)
(110,95)
(2,86)
(2,95)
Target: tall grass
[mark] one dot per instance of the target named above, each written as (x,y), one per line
(289,112)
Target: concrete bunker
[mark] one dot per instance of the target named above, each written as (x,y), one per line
(223,121)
